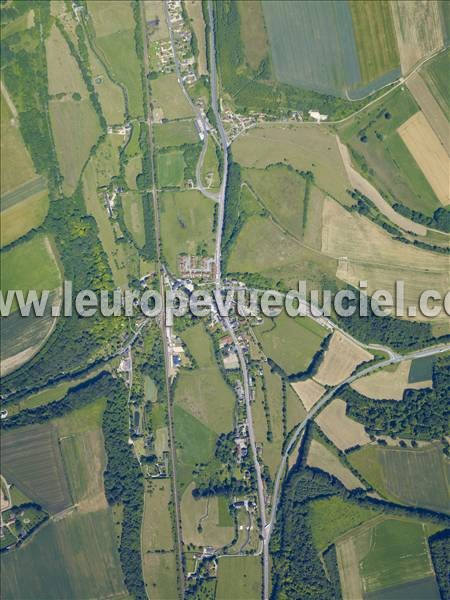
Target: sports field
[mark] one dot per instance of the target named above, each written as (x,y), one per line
(429,154)
(186,224)
(31,459)
(75,557)
(167,93)
(134,216)
(417,477)
(305,35)
(170,169)
(290,342)
(239,578)
(175,133)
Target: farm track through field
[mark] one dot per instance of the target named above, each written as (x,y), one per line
(35,185)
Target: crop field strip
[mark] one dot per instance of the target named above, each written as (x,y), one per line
(322,458)
(435,74)
(340,429)
(387,384)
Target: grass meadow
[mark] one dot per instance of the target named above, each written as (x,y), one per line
(170,169)
(175,133)
(239,577)
(134,216)
(160,575)
(166,91)
(19,219)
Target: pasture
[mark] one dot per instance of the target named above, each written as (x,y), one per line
(419,31)
(114,36)
(282,192)
(166,91)
(332,517)
(429,154)
(290,342)
(16,164)
(239,577)
(309,392)
(375,38)
(380,154)
(435,74)
(160,575)
(210,170)
(195,443)
(295,410)
(340,360)
(74,557)
(157,525)
(75,129)
(253,32)
(271,449)
(107,159)
(306,148)
(175,133)
(31,459)
(304,35)
(64,76)
(398,554)
(110,94)
(201,523)
(134,216)
(195,13)
(421,88)
(170,169)
(30,188)
(388,384)
(30,265)
(340,429)
(417,477)
(132,169)
(203,391)
(20,218)
(154,11)
(320,457)
(186,223)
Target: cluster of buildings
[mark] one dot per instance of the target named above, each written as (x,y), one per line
(162,50)
(182,38)
(196,267)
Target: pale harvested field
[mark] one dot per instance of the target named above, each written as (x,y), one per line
(320,457)
(309,392)
(364,186)
(204,512)
(367,252)
(340,360)
(430,109)
(388,385)
(428,153)
(194,10)
(305,148)
(419,30)
(342,431)
(64,76)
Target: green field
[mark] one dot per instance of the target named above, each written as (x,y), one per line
(435,74)
(75,557)
(175,133)
(75,128)
(160,575)
(109,93)
(290,342)
(282,192)
(383,158)
(29,266)
(186,224)
(133,213)
(253,32)
(157,524)
(170,169)
(31,459)
(166,91)
(132,169)
(398,553)
(16,164)
(30,188)
(17,220)
(239,578)
(375,38)
(418,477)
(114,37)
(421,369)
(210,170)
(107,159)
(330,518)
